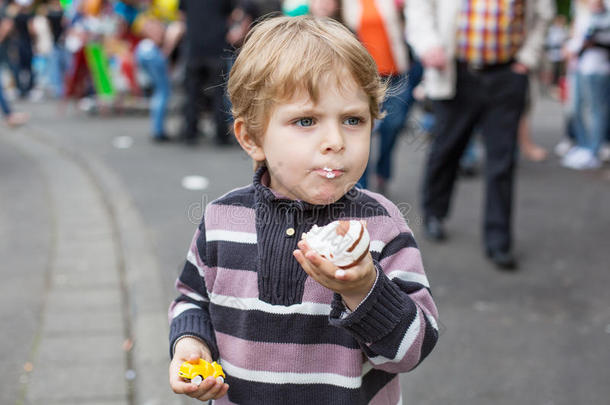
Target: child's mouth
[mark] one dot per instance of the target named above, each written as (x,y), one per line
(329,173)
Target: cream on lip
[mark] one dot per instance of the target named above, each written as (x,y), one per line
(329,173)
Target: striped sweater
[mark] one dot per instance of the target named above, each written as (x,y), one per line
(281,337)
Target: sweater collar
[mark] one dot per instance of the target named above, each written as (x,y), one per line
(264,194)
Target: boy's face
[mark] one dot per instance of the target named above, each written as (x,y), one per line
(317,152)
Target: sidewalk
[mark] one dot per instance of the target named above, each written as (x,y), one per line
(103,313)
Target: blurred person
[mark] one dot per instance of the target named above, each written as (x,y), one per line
(379,26)
(11,118)
(555,40)
(22,17)
(325,8)
(295,116)
(241,19)
(205,43)
(58,62)
(527,147)
(293,8)
(476,82)
(153,61)
(589,47)
(160,38)
(43,48)
(7,43)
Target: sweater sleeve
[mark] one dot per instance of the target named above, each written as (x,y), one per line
(396,325)
(189,313)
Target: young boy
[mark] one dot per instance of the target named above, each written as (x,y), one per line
(288,326)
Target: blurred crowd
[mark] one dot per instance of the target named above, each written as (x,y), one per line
(446,59)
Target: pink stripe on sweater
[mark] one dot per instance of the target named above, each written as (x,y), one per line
(244,284)
(230,218)
(392,209)
(290,358)
(389,394)
(315,292)
(424,300)
(235,283)
(209,274)
(407,259)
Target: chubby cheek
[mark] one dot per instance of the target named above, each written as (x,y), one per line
(360,158)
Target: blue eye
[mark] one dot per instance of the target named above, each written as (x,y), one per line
(304,122)
(353,121)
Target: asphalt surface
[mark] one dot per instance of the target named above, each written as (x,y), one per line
(95,224)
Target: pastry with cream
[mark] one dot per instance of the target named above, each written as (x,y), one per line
(343,243)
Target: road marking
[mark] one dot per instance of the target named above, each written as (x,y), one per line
(195,182)
(122,142)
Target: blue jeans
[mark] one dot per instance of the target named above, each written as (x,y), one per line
(58,66)
(152,61)
(592,110)
(396,106)
(6,110)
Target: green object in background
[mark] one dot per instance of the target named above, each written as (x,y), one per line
(293,8)
(65,3)
(98,66)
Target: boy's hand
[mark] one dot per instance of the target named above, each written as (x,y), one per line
(192,349)
(353,284)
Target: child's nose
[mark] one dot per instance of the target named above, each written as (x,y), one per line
(333,139)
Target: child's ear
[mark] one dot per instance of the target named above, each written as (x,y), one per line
(247,142)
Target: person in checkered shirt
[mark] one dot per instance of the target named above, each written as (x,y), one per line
(477,55)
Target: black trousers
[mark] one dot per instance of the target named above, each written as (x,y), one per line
(491,101)
(204,89)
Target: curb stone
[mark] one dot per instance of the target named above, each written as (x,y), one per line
(138,281)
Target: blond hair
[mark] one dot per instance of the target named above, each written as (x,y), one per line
(284,55)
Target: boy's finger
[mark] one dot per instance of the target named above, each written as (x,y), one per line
(323,265)
(304,246)
(305,264)
(211,392)
(223,391)
(216,387)
(182,387)
(201,390)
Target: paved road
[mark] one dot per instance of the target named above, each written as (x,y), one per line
(539,336)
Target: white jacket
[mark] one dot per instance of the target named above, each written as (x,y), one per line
(433,23)
(352,13)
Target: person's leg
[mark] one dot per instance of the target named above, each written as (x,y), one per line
(397,107)
(580,100)
(599,91)
(57,70)
(455,120)
(26,74)
(221,116)
(193,101)
(154,63)
(454,123)
(6,109)
(499,125)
